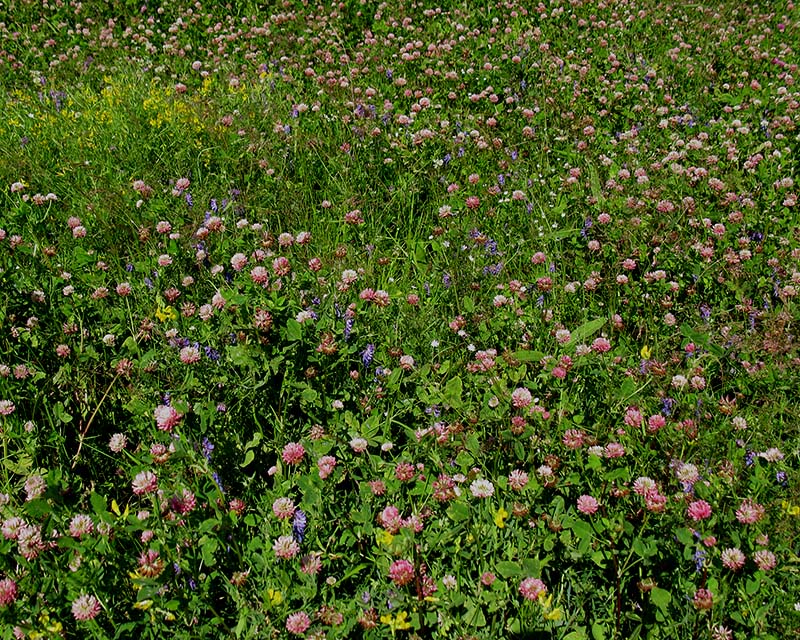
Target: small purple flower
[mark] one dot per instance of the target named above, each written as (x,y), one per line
(299,525)
(699,560)
(368,354)
(189,200)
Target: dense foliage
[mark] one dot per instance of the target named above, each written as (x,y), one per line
(399,320)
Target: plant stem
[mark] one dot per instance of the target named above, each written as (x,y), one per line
(91,419)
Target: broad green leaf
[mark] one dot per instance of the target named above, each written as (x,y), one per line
(294,330)
(598,631)
(585,330)
(660,597)
(528,356)
(249,456)
(98,503)
(452,392)
(506,568)
(458,511)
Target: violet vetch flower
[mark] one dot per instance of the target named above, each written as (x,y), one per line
(299,525)
(368,354)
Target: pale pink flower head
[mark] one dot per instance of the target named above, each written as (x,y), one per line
(325,465)
(699,510)
(401,572)
(390,519)
(238,261)
(733,559)
(283,508)
(614,450)
(521,397)
(703,599)
(8,592)
(144,482)
(166,417)
(643,484)
(81,525)
(587,505)
(358,445)
(281,266)
(481,488)
(85,607)
(35,486)
(117,442)
(749,512)
(286,547)
(190,355)
(601,345)
(518,479)
(298,623)
(532,588)
(572,438)
(293,453)
(765,559)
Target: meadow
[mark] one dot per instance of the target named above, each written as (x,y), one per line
(399,320)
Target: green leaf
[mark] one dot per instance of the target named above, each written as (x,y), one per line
(249,456)
(458,511)
(452,393)
(585,330)
(61,413)
(239,356)
(598,631)
(506,568)
(98,503)
(684,536)
(207,548)
(294,330)
(576,635)
(528,356)
(581,529)
(474,616)
(309,396)
(21,466)
(660,597)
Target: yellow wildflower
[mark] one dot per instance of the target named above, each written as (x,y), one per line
(399,623)
(384,537)
(166,313)
(500,517)
(274,596)
(645,352)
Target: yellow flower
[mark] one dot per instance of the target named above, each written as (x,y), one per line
(400,623)
(645,352)
(166,313)
(144,605)
(275,597)
(791,509)
(554,614)
(384,537)
(549,614)
(500,517)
